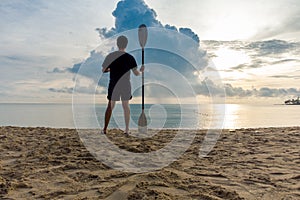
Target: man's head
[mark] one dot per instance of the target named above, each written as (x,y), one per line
(122,42)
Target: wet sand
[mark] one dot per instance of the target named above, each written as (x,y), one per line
(45,163)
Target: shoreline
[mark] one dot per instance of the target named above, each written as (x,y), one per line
(152,129)
(248,163)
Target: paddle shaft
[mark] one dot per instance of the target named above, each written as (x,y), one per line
(143,89)
(143,34)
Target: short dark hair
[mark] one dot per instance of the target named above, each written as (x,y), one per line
(122,42)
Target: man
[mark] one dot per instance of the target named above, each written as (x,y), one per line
(119,64)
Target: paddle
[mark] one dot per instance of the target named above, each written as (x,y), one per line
(143,35)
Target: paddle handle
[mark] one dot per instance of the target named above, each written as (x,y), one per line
(143,89)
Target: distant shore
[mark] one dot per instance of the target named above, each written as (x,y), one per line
(47,163)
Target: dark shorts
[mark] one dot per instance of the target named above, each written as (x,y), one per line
(119,91)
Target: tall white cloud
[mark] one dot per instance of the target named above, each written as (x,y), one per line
(177,48)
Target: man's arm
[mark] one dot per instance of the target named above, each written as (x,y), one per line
(106,64)
(105,69)
(137,72)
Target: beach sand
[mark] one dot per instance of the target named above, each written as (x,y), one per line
(45,163)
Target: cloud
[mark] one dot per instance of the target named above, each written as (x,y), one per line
(208,87)
(289,18)
(60,31)
(262,92)
(271,47)
(129,14)
(80,90)
(261,53)
(57,70)
(190,33)
(286,76)
(237,91)
(92,66)
(62,90)
(167,45)
(270,92)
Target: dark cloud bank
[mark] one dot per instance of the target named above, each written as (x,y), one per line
(129,14)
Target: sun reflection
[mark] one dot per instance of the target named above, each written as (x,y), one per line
(231,116)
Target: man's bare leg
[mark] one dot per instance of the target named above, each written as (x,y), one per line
(126,109)
(109,109)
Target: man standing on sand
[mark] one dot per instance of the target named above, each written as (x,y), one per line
(119,64)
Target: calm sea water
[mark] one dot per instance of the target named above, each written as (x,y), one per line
(159,116)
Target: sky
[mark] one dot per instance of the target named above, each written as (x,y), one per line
(254,45)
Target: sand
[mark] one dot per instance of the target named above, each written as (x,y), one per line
(45,163)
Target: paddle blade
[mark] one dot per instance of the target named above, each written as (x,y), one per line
(143,35)
(142,123)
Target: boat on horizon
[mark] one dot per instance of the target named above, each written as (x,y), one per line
(292,101)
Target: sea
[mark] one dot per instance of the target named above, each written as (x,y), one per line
(166,116)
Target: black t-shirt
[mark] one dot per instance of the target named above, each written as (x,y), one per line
(120,63)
